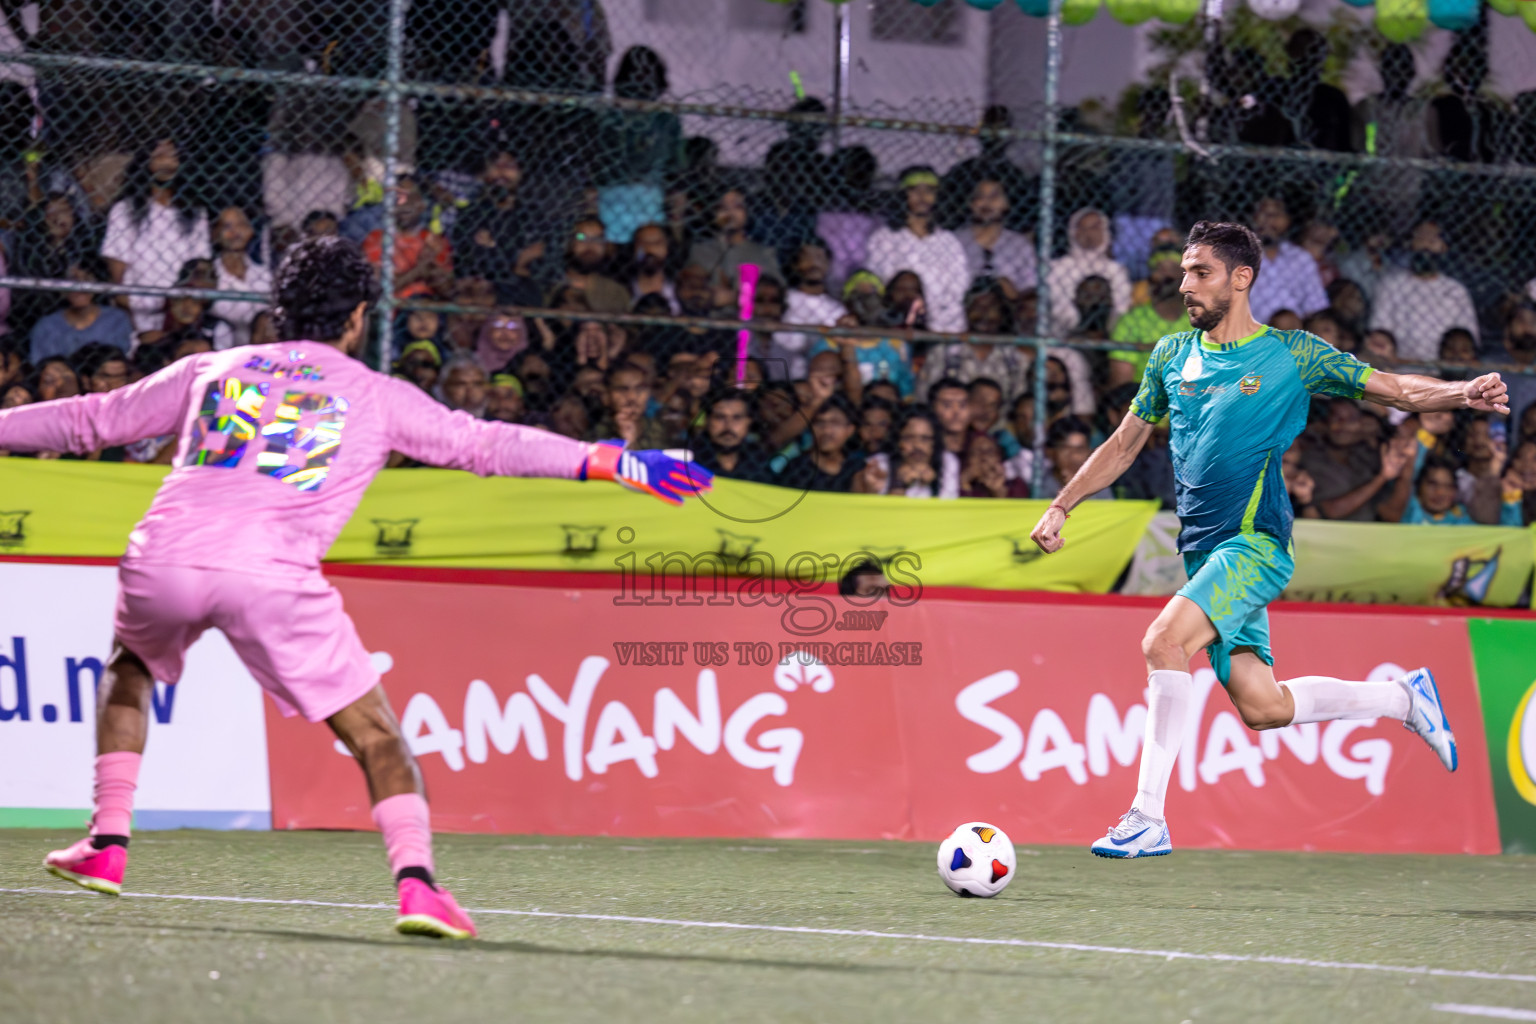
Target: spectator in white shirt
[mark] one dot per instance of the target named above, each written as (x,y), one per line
(237,273)
(153,231)
(921,246)
(1420,304)
(1088,234)
(1288,276)
(807,302)
(991,250)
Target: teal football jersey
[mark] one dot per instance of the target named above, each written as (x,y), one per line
(1235,409)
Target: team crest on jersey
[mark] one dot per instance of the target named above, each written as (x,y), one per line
(1250,384)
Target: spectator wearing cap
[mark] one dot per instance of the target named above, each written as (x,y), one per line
(1148,323)
(1088,245)
(878,359)
(730,447)
(991,250)
(82,320)
(806,302)
(504,398)
(1288,276)
(423,259)
(723,255)
(1420,304)
(420,362)
(918,244)
(236,272)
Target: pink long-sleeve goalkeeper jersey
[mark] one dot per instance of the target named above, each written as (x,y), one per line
(275,446)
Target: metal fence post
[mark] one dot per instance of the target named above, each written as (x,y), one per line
(392,75)
(1045,230)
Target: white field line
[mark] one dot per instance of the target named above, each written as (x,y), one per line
(860,933)
(1498,1012)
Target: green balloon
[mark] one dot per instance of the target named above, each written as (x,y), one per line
(1402,21)
(1176,12)
(1507,8)
(1079,12)
(1131,12)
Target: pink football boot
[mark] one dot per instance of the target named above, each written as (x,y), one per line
(83,864)
(428,911)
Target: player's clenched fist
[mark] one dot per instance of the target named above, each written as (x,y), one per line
(1488,393)
(1047,532)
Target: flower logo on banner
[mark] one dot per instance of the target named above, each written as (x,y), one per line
(799,669)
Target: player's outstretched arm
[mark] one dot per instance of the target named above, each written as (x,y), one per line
(151,407)
(1106,465)
(1413,393)
(426,431)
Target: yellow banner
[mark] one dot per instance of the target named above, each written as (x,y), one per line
(429,517)
(1370,563)
(1389,563)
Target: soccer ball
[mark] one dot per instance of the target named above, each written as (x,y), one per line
(977,860)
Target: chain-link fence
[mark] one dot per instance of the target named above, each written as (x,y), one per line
(561,196)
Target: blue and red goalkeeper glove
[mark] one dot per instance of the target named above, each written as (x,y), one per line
(669,474)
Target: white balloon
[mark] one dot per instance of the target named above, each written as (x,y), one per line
(1274,10)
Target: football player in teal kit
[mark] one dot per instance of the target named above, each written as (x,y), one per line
(1237,395)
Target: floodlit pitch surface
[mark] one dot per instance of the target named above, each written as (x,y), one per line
(642,930)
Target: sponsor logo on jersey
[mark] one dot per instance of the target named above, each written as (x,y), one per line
(1250,384)
(1188,389)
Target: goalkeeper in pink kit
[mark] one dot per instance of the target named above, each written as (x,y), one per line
(276,445)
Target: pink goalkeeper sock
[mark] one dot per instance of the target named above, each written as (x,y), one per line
(117,776)
(407,829)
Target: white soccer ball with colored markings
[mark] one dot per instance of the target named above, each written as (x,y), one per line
(977,860)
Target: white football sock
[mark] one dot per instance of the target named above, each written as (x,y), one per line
(1323,699)
(1167,707)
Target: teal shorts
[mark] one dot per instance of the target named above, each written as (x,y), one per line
(1233,584)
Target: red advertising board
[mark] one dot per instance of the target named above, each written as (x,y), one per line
(579,710)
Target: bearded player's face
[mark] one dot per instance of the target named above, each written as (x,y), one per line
(1207,288)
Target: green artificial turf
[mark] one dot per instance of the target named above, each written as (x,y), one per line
(71,956)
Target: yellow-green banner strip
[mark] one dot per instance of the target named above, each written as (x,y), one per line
(443,518)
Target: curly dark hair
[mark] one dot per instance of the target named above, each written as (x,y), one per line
(319,284)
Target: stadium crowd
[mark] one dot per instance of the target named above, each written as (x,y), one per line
(587,213)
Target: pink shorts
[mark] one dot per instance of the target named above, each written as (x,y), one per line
(292,633)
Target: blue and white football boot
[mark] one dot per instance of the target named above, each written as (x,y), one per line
(1137,835)
(1426,716)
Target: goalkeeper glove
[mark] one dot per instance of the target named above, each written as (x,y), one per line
(669,474)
